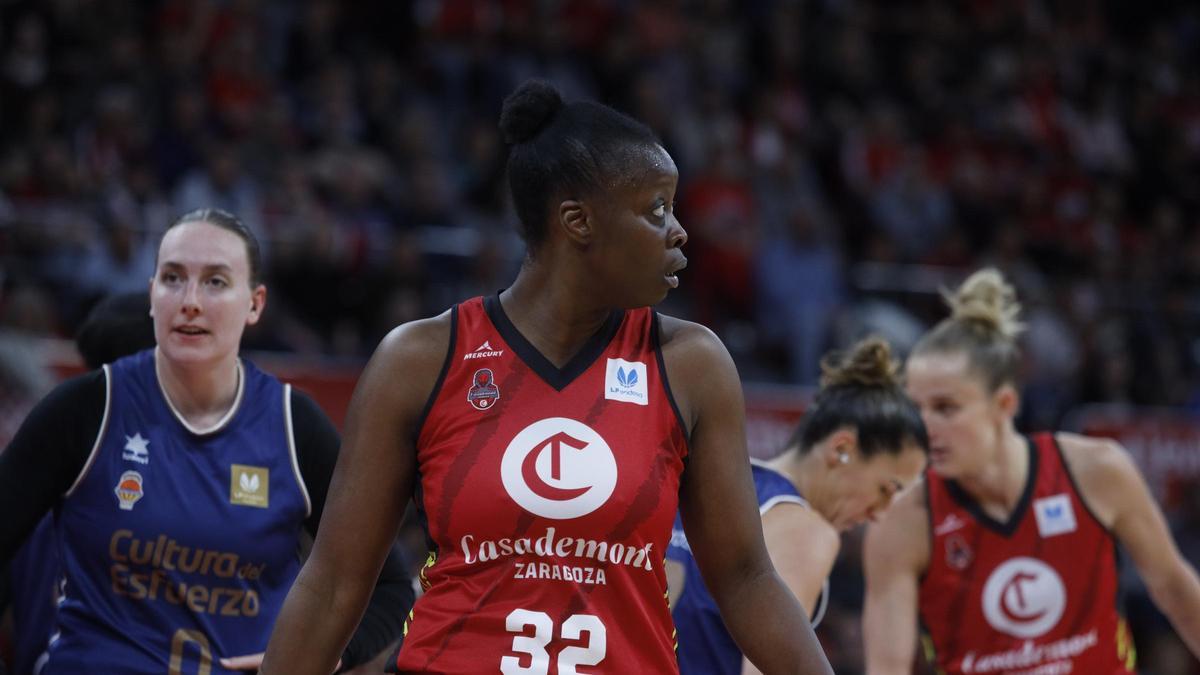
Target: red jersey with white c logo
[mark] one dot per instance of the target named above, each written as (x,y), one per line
(1036,595)
(547,495)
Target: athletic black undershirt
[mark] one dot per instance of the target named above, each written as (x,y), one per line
(51,447)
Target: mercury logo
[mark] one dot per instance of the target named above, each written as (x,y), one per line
(1024,597)
(483,351)
(559,468)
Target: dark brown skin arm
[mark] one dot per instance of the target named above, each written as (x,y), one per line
(720,512)
(371,486)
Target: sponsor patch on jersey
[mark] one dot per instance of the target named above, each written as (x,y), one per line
(483,393)
(129,490)
(137,449)
(483,351)
(249,485)
(625,381)
(1054,515)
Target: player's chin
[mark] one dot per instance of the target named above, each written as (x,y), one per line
(644,297)
(663,288)
(189,352)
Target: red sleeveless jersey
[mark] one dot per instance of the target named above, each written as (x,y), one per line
(547,496)
(1036,595)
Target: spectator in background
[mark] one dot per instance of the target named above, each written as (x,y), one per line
(798,274)
(223,183)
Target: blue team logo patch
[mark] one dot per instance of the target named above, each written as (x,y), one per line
(1054,515)
(625,381)
(483,393)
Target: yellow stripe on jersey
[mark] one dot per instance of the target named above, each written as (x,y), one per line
(1126,650)
(429,562)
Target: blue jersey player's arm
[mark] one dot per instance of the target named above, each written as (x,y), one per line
(46,456)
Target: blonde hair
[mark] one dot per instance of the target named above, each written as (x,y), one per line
(983,325)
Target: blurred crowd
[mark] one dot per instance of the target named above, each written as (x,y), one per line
(840,160)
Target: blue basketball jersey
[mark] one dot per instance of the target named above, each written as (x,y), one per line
(705,646)
(178,545)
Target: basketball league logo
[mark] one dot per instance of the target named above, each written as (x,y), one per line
(559,468)
(1024,598)
(958,553)
(483,393)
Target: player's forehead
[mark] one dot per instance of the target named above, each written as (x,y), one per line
(944,368)
(202,245)
(650,162)
(641,167)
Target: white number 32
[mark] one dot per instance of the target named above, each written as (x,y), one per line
(543,631)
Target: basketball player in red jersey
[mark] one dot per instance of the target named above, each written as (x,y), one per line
(547,435)
(1007,552)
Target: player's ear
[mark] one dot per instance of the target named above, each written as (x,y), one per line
(840,447)
(1008,400)
(575,218)
(258,301)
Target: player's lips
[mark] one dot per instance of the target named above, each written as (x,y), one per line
(190,330)
(674,269)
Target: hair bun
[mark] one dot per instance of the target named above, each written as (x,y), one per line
(868,364)
(988,300)
(528,110)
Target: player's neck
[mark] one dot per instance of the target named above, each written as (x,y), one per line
(555,318)
(807,472)
(999,485)
(202,395)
